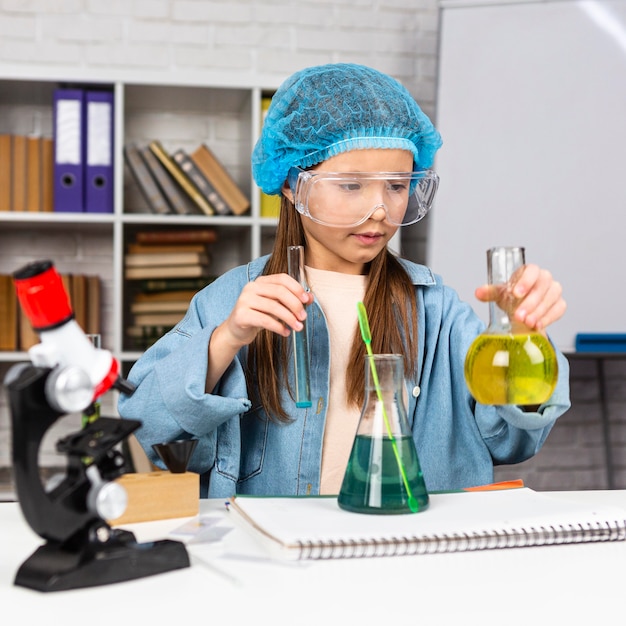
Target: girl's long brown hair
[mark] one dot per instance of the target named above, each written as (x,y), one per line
(391,308)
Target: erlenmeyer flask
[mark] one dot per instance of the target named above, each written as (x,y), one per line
(383,475)
(509,363)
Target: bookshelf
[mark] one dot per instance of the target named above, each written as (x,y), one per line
(180,115)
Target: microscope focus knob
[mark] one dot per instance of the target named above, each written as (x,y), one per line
(109,500)
(106,499)
(69,389)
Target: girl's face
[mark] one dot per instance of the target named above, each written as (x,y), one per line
(349,249)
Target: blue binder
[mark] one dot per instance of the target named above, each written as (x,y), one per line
(69,147)
(99,151)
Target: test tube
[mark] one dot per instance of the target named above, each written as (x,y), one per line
(295,267)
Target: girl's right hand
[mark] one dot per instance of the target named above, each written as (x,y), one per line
(275,303)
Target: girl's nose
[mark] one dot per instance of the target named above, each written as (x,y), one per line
(379,213)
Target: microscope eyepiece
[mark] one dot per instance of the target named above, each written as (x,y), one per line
(42,295)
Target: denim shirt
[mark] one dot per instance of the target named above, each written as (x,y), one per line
(240,450)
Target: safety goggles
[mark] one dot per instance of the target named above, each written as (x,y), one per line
(345,199)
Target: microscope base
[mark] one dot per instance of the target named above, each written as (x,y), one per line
(53,567)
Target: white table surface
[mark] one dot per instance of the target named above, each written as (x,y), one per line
(229,580)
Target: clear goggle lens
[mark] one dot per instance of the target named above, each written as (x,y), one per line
(345,199)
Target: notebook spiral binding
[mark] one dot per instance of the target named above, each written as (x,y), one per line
(514,538)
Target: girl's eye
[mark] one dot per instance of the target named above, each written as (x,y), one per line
(397,187)
(350,186)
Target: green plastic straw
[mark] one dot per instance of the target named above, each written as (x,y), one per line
(367,339)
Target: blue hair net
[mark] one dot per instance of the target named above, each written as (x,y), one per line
(325,110)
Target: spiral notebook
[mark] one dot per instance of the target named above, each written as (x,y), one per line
(302,528)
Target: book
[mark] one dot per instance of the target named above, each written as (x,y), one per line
(138,259)
(94,305)
(190,235)
(78,298)
(160,306)
(166,271)
(33,173)
(312,528)
(47,174)
(179,175)
(159,285)
(154,197)
(175,197)
(270,205)
(221,179)
(18,178)
(162,301)
(158,319)
(8,313)
(140,248)
(201,182)
(165,296)
(6,166)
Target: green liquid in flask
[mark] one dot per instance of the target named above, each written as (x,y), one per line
(511,369)
(373,482)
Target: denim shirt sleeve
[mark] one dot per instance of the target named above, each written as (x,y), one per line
(170,377)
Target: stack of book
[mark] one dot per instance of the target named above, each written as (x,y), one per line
(16,332)
(26,173)
(166,269)
(184,183)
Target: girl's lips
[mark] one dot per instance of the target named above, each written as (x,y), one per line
(368,238)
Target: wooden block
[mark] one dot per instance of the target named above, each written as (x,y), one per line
(159,495)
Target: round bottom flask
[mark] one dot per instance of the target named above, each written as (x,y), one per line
(509,363)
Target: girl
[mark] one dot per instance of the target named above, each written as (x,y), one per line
(349,150)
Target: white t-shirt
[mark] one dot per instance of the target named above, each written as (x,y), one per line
(338,295)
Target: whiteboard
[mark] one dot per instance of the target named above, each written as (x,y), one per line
(531,106)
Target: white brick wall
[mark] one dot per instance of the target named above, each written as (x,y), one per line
(260,37)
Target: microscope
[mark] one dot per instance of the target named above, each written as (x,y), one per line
(67,374)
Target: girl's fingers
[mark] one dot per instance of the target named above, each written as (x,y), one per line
(274,303)
(533,297)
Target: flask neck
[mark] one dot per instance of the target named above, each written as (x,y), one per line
(384,410)
(504,264)
(383,371)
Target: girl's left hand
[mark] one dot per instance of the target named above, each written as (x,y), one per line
(538,296)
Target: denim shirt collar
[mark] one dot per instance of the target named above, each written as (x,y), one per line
(419,274)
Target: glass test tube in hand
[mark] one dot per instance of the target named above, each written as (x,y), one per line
(295,267)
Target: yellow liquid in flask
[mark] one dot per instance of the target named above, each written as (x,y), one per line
(511,369)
